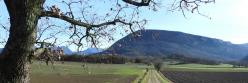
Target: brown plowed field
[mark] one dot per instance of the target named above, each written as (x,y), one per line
(206,77)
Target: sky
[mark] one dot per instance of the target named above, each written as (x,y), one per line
(228,20)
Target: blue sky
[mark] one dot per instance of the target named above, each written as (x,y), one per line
(228,20)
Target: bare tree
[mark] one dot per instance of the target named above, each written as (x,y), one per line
(79,16)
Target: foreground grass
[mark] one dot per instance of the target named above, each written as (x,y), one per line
(74,72)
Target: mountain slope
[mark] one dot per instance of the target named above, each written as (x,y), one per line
(162,43)
(67,51)
(245,45)
(1,49)
(244,60)
(90,51)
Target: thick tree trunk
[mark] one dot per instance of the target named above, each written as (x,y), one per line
(14,63)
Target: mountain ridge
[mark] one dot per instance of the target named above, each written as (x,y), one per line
(68,51)
(163,43)
(89,51)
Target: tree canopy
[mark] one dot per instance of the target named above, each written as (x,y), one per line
(90,22)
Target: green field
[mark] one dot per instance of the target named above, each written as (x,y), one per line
(74,72)
(203,68)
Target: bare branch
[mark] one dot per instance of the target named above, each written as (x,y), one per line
(41,32)
(3,36)
(190,5)
(78,22)
(135,3)
(65,18)
(89,25)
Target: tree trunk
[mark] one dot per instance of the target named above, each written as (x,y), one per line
(14,63)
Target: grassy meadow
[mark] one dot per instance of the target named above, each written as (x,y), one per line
(75,72)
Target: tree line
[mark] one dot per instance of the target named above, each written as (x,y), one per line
(107,59)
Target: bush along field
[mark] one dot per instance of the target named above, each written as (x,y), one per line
(76,72)
(199,73)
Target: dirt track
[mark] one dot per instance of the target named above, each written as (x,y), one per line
(152,77)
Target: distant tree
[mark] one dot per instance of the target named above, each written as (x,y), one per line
(158,65)
(24,16)
(184,60)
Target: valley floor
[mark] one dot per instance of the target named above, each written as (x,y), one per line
(74,72)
